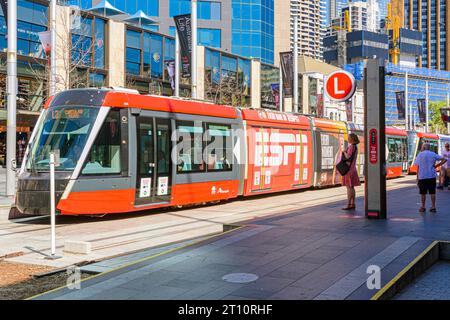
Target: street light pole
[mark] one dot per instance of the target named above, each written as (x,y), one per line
(177,65)
(280,90)
(194,49)
(426,107)
(11,99)
(295,91)
(448,106)
(406,103)
(53,49)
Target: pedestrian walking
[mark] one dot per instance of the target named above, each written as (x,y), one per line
(427,162)
(445,168)
(351,178)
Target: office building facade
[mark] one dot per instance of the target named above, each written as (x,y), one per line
(309,27)
(237,26)
(431,18)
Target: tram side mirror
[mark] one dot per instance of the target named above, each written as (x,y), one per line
(13,165)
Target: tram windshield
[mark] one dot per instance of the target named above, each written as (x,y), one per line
(65,131)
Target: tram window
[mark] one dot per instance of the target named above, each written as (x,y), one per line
(104,157)
(190,146)
(397,148)
(219,151)
(433,145)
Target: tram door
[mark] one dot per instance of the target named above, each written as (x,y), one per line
(153,179)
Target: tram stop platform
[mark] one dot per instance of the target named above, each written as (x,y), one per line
(307,251)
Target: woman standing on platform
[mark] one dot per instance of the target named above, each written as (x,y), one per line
(351,179)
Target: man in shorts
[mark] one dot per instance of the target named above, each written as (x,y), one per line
(445,169)
(427,163)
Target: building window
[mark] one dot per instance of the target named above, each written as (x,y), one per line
(133,52)
(206,10)
(227,79)
(88,53)
(149,7)
(209,37)
(178,7)
(270,87)
(149,62)
(32,18)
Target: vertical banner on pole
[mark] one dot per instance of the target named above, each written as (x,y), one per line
(287,70)
(183,24)
(320,105)
(421,107)
(349,109)
(407,111)
(46,41)
(11,87)
(375,141)
(400,99)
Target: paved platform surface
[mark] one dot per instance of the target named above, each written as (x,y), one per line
(119,234)
(5,202)
(310,252)
(434,284)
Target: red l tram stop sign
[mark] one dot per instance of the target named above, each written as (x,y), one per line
(340,86)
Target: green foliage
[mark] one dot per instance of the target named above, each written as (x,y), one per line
(435,121)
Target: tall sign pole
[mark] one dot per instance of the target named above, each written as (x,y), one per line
(281,95)
(53,48)
(12,99)
(177,65)
(194,49)
(406,103)
(375,140)
(448,106)
(295,91)
(426,108)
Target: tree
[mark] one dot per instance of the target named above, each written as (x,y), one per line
(435,121)
(73,56)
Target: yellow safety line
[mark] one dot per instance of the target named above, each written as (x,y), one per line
(139,261)
(383,290)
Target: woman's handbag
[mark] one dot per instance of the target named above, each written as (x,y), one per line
(343,167)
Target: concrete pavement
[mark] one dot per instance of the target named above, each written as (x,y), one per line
(5,202)
(119,234)
(309,252)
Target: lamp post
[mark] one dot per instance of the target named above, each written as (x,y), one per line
(295,91)
(194,49)
(177,65)
(406,103)
(53,48)
(11,99)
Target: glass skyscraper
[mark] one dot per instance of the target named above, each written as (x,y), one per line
(429,17)
(253,29)
(244,27)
